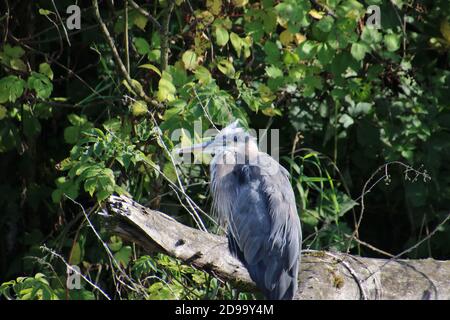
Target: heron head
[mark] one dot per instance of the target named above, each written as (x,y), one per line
(231,137)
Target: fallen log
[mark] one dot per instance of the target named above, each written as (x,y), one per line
(323,275)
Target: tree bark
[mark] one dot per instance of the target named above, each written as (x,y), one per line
(323,275)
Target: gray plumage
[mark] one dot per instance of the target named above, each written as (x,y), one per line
(253,198)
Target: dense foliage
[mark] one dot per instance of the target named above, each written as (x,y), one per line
(350,100)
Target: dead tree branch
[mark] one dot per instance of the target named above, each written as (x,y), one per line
(323,275)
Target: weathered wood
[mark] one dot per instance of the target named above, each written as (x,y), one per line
(323,275)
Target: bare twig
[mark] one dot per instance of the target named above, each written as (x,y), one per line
(165,36)
(180,186)
(52,60)
(7,13)
(61,47)
(111,257)
(402,23)
(75,270)
(364,295)
(368,245)
(416,245)
(146,14)
(398,256)
(62,23)
(368,187)
(121,67)
(325,7)
(127,46)
(193,207)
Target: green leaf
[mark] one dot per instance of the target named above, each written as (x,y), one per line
(123,256)
(100,180)
(295,13)
(75,257)
(113,124)
(18,64)
(170,172)
(272,52)
(227,68)
(150,67)
(139,20)
(77,120)
(371,35)
(307,49)
(222,36)
(41,84)
(359,50)
(11,88)
(66,187)
(80,294)
(13,52)
(160,291)
(142,46)
(346,120)
(154,55)
(247,44)
(115,243)
(325,53)
(214,6)
(271,111)
(44,12)
(80,168)
(72,134)
(57,195)
(139,108)
(286,37)
(269,21)
(178,74)
(392,42)
(237,43)
(90,185)
(351,9)
(45,69)
(143,266)
(136,84)
(273,72)
(310,218)
(166,89)
(203,75)
(189,59)
(360,109)
(199,278)
(325,24)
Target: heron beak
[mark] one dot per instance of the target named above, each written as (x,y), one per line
(199,147)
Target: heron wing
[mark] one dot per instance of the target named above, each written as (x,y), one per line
(264,229)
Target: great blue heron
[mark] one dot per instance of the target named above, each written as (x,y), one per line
(253,197)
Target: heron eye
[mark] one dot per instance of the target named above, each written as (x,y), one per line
(235,138)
